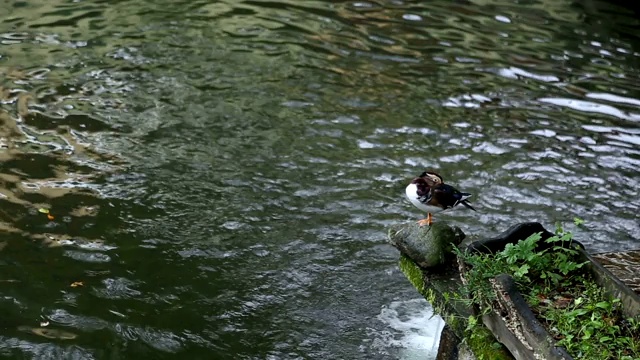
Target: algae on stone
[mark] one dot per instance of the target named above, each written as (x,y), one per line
(485,346)
(428,262)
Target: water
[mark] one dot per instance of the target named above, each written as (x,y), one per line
(221,174)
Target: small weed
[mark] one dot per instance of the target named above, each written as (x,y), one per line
(575,311)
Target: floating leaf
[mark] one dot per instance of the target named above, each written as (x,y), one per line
(77,283)
(49,333)
(43,210)
(50,217)
(44,323)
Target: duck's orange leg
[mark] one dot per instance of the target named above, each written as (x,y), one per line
(428,221)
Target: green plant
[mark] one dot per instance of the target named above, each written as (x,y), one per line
(576,311)
(588,318)
(524,263)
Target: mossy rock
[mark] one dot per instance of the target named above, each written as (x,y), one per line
(428,246)
(484,345)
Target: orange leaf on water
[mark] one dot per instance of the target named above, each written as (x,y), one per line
(50,217)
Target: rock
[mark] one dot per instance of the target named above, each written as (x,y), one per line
(427,246)
(449,346)
(465,352)
(431,266)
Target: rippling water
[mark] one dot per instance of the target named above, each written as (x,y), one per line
(219,175)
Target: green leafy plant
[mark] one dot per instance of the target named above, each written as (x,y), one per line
(573,308)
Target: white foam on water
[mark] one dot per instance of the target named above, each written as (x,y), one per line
(411,328)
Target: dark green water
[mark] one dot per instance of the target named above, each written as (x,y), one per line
(221,173)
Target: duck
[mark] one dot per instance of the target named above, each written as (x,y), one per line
(429,193)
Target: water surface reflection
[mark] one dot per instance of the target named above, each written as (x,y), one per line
(221,174)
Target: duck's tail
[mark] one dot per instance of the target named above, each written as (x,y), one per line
(465,202)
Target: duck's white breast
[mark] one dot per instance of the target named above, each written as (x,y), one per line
(412,194)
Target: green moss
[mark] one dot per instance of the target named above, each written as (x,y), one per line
(479,338)
(485,346)
(441,302)
(414,274)
(455,322)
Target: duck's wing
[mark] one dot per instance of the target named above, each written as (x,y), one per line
(447,196)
